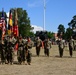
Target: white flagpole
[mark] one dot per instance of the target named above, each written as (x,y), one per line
(44,17)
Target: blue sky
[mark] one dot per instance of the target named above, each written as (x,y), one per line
(57,11)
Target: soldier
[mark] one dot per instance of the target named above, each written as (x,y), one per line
(47,46)
(71,46)
(38,46)
(61,47)
(30,44)
(10,51)
(75,43)
(24,50)
(2,48)
(20,55)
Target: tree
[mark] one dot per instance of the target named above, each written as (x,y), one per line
(61,31)
(72,23)
(68,33)
(50,34)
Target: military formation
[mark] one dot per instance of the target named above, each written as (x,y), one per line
(7,49)
(24,54)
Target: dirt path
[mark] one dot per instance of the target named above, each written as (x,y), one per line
(53,65)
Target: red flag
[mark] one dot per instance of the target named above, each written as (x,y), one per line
(15,27)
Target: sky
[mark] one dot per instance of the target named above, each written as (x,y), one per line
(57,12)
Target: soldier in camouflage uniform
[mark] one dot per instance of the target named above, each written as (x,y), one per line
(61,47)
(30,44)
(24,50)
(2,49)
(71,46)
(10,50)
(20,55)
(75,43)
(38,46)
(47,46)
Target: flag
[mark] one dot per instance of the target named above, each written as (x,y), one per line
(0,24)
(10,24)
(15,27)
(3,24)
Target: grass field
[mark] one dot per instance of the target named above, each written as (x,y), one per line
(42,65)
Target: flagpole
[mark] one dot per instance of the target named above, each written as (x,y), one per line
(44,17)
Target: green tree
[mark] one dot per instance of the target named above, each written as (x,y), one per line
(50,34)
(68,33)
(61,31)
(72,23)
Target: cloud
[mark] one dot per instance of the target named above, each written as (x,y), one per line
(35,3)
(36,28)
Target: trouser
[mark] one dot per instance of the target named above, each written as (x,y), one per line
(46,51)
(2,56)
(38,51)
(61,52)
(70,51)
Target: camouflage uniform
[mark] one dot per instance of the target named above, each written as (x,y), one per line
(47,46)
(75,44)
(29,54)
(24,50)
(71,46)
(2,49)
(20,55)
(61,47)
(10,50)
(38,46)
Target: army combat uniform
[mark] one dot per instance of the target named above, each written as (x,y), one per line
(47,46)
(61,47)
(38,46)
(2,51)
(10,50)
(30,44)
(71,47)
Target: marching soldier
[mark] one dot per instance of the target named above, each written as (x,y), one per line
(47,46)
(71,46)
(38,46)
(30,44)
(61,47)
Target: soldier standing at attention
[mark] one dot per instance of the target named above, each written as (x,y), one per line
(30,44)
(24,50)
(47,46)
(61,47)
(38,46)
(71,46)
(11,45)
(2,49)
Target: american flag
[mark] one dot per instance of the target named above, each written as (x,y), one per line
(3,24)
